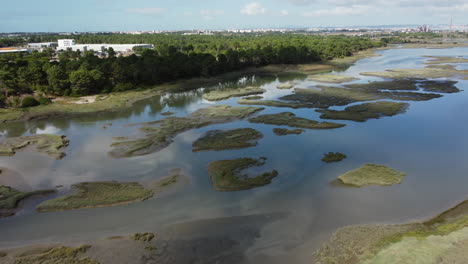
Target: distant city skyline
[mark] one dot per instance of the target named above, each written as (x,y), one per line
(123,15)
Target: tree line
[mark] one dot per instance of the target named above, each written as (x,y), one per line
(174,57)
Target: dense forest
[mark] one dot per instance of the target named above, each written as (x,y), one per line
(174,57)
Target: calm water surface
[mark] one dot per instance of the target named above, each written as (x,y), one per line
(428,143)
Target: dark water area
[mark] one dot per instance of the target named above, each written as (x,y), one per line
(428,142)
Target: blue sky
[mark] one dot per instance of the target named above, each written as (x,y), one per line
(107,15)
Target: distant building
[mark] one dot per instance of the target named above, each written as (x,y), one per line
(64,44)
(42,45)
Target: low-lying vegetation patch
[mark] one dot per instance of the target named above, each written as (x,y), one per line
(228,93)
(442,239)
(226,174)
(160,134)
(442,59)
(285,131)
(62,254)
(144,237)
(285,86)
(372,174)
(10,198)
(428,72)
(51,145)
(331,78)
(290,119)
(231,139)
(333,157)
(97,194)
(366,111)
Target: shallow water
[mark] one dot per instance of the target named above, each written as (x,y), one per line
(428,143)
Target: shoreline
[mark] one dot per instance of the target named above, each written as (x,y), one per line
(114,102)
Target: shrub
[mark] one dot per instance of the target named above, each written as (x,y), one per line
(44,100)
(29,101)
(123,87)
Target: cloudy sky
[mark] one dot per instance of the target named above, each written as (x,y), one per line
(100,15)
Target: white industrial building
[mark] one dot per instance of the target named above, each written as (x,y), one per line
(64,44)
(42,45)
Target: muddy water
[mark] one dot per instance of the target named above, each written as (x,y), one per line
(428,143)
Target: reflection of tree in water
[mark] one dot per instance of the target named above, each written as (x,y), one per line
(291,76)
(180,100)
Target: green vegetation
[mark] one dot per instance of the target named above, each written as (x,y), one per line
(97,194)
(440,86)
(289,119)
(441,60)
(226,174)
(285,86)
(285,131)
(333,157)
(161,136)
(62,255)
(10,198)
(273,103)
(51,145)
(253,98)
(175,57)
(372,174)
(228,93)
(331,78)
(144,237)
(231,139)
(366,111)
(428,72)
(441,239)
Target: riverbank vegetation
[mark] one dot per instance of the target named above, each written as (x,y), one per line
(366,111)
(52,255)
(442,239)
(226,175)
(230,139)
(160,134)
(372,174)
(174,57)
(219,95)
(51,145)
(97,194)
(331,78)
(290,119)
(10,198)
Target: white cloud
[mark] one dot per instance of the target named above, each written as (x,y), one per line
(253,9)
(208,14)
(340,11)
(146,11)
(301,2)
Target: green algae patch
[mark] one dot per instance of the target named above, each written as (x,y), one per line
(56,255)
(51,145)
(285,86)
(144,237)
(10,198)
(366,111)
(372,174)
(97,194)
(285,131)
(442,60)
(333,157)
(226,175)
(290,119)
(331,78)
(442,239)
(219,95)
(230,139)
(160,134)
